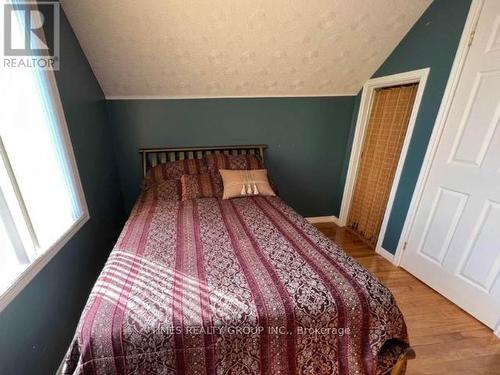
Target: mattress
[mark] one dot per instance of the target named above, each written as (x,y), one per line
(241,286)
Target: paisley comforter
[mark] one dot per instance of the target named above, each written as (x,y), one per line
(242,286)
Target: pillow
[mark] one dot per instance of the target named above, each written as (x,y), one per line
(244,183)
(168,190)
(205,185)
(223,161)
(173,170)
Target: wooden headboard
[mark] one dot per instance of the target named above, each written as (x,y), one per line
(154,156)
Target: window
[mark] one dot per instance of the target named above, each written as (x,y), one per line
(41,199)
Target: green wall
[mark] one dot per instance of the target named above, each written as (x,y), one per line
(432,42)
(307,140)
(37,326)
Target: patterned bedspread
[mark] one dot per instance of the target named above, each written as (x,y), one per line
(242,286)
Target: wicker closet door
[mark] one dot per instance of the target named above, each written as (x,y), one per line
(384,139)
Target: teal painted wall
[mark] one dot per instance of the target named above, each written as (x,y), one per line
(307,140)
(432,42)
(37,326)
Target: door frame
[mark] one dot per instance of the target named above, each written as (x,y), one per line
(444,108)
(415,76)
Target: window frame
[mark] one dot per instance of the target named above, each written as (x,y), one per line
(43,259)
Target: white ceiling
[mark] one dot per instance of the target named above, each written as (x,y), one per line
(238,48)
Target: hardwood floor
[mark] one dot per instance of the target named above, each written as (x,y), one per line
(445,338)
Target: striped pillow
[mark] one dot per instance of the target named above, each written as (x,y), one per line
(173,170)
(166,190)
(233,162)
(205,185)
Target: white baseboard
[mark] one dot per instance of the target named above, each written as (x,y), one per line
(323,219)
(384,253)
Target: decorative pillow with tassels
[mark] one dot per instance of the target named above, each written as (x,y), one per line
(245,183)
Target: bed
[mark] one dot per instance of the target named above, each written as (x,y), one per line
(238,286)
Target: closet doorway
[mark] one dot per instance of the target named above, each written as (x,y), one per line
(385,124)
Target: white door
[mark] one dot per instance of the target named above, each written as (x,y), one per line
(454,244)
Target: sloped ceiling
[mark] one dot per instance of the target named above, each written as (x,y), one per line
(226,48)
